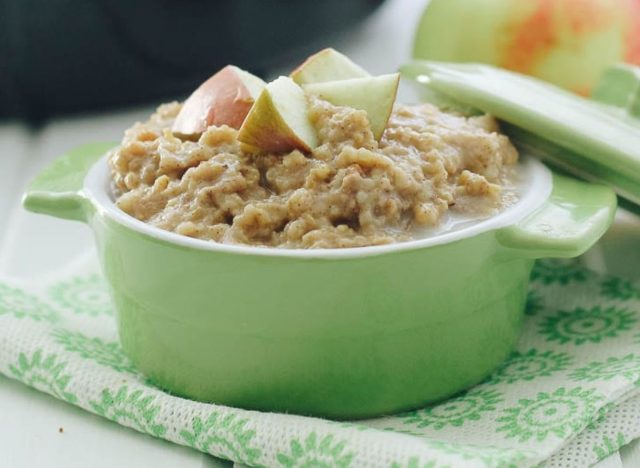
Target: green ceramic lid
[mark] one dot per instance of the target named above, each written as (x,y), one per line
(597,139)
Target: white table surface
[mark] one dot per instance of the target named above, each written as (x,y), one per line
(32,245)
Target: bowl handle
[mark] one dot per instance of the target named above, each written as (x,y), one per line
(574,217)
(57,190)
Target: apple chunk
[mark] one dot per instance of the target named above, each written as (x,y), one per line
(374,94)
(224,99)
(327,65)
(279,119)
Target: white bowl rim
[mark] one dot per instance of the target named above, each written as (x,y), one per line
(97,189)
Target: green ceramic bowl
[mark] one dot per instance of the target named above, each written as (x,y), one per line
(341,333)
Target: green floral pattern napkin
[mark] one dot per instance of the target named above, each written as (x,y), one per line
(569,395)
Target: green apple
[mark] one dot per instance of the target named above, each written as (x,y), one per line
(224,99)
(279,119)
(373,94)
(566,42)
(327,65)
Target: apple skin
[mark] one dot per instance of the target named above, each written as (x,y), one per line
(327,65)
(566,42)
(270,125)
(224,99)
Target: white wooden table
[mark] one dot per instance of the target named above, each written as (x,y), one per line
(31,245)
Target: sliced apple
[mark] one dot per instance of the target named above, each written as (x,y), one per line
(224,99)
(327,65)
(279,119)
(374,94)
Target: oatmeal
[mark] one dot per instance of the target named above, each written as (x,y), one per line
(350,191)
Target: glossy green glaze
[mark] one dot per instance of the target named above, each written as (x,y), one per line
(595,140)
(342,337)
(619,86)
(58,188)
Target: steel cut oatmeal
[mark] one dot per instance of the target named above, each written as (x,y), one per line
(350,191)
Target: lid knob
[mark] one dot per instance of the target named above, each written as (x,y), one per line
(619,86)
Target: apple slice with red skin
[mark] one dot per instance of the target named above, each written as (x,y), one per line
(373,94)
(327,65)
(224,99)
(279,119)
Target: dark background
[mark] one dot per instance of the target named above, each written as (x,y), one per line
(66,56)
